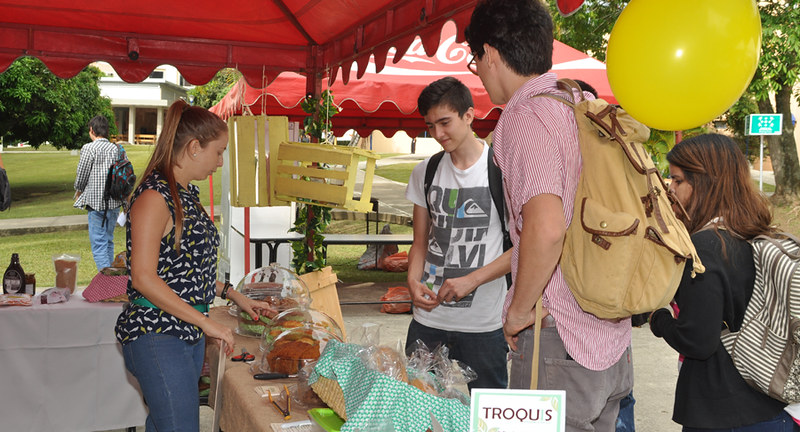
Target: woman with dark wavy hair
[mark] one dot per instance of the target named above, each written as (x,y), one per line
(172,258)
(711,179)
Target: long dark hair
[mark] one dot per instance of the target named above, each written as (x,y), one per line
(183,124)
(718,172)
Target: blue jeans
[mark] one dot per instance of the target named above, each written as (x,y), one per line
(102,236)
(780,423)
(168,370)
(485,353)
(625,422)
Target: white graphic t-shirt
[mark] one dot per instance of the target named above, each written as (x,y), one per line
(465,235)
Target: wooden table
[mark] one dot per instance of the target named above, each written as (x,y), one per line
(243,410)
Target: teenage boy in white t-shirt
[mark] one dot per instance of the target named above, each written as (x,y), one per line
(456,262)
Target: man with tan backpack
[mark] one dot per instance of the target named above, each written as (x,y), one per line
(536,147)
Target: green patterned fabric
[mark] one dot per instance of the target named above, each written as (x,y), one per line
(377,402)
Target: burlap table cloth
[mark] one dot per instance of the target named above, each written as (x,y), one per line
(243,410)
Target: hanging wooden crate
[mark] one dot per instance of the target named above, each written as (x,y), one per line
(323,174)
(251,141)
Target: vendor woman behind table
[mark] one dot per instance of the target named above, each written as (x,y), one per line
(172,256)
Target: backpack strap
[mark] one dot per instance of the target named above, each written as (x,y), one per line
(430,172)
(109,175)
(776,241)
(496,189)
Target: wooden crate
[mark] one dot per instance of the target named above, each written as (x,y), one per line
(324,175)
(251,141)
(324,297)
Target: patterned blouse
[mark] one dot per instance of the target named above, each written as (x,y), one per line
(191,273)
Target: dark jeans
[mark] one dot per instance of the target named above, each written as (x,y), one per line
(485,353)
(780,423)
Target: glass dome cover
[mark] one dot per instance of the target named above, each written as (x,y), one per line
(275,285)
(292,349)
(296,318)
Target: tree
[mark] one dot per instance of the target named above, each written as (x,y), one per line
(212,92)
(777,75)
(37,106)
(588,28)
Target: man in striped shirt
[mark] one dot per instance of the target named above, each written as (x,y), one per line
(90,183)
(536,147)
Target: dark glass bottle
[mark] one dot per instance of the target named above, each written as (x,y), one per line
(14,277)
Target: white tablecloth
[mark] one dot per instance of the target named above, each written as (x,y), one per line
(61,369)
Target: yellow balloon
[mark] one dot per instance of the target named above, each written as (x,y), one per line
(678,64)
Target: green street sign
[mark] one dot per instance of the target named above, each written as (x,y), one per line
(763,124)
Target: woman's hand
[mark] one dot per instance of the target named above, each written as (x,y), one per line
(254,308)
(219,331)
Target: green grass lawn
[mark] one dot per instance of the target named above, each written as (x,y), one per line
(398,172)
(37,195)
(42,181)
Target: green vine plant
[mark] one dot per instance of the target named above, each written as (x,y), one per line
(312,220)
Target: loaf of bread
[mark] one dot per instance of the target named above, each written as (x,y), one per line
(287,357)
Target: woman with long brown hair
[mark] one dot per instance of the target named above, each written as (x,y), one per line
(711,179)
(172,258)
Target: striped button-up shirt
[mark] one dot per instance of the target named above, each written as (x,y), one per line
(536,147)
(90,180)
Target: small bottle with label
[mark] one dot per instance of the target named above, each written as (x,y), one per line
(14,277)
(30,283)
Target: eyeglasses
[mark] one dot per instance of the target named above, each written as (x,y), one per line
(472,66)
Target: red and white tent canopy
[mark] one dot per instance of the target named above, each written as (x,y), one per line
(387,101)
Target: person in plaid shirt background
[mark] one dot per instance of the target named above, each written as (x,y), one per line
(90,183)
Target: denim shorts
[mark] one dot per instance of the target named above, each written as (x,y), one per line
(168,370)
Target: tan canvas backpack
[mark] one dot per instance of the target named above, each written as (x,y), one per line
(625,250)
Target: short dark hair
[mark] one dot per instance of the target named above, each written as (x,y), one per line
(99,126)
(447,91)
(520,30)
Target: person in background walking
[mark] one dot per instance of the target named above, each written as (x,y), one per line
(90,182)
(172,257)
(711,179)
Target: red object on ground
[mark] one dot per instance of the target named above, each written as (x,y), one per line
(396,263)
(399,293)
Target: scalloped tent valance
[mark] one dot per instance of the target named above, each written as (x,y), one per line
(261,38)
(387,101)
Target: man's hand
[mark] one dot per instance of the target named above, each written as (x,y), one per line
(515,323)
(422,296)
(457,288)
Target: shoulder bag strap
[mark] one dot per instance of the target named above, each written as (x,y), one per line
(430,172)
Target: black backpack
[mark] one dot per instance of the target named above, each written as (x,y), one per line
(495,188)
(120,179)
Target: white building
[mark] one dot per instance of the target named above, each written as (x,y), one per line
(139,108)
